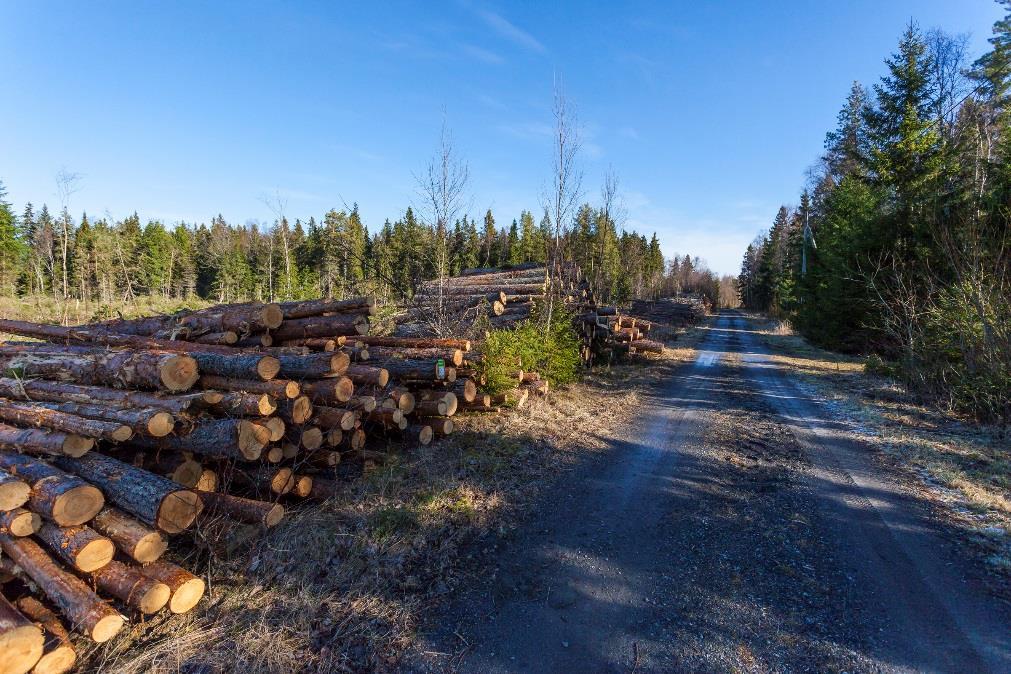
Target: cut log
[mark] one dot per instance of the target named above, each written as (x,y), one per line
(297,411)
(130,586)
(423,433)
(29,415)
(143,420)
(329,391)
(441,426)
(335,417)
(316,343)
(279,388)
(383,354)
(83,608)
(465,389)
(40,389)
(226,338)
(21,640)
(240,404)
(403,399)
(303,486)
(431,408)
(221,438)
(40,441)
(65,499)
(140,542)
(324,489)
(187,589)
(243,319)
(356,439)
(245,510)
(119,369)
(313,365)
(238,365)
(151,498)
(417,369)
(308,308)
(59,655)
(273,455)
(81,547)
(19,522)
(415,342)
(320,326)
(14,491)
(177,468)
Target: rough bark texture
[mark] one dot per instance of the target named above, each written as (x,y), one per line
(86,612)
(333,390)
(366,374)
(221,438)
(415,342)
(59,655)
(152,498)
(142,420)
(385,353)
(335,417)
(139,541)
(130,586)
(305,309)
(240,404)
(21,640)
(313,365)
(242,509)
(119,369)
(65,499)
(41,389)
(297,411)
(14,491)
(186,588)
(41,441)
(19,522)
(81,547)
(242,319)
(27,414)
(322,326)
(279,388)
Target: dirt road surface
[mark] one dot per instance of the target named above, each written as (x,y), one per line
(739,527)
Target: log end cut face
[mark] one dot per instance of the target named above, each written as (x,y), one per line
(95,554)
(13,494)
(179,372)
(187,595)
(60,659)
(149,547)
(22,523)
(160,424)
(178,511)
(76,446)
(106,628)
(274,515)
(425,435)
(268,367)
(154,598)
(20,648)
(77,505)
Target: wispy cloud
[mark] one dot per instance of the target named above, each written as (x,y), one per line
(526,130)
(628,132)
(510,31)
(491,102)
(482,54)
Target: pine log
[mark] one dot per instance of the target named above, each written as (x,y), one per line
(59,655)
(297,411)
(151,498)
(321,326)
(421,432)
(276,426)
(416,342)
(529,377)
(14,491)
(42,441)
(143,420)
(226,338)
(177,468)
(136,590)
(500,291)
(81,547)
(279,388)
(119,369)
(40,389)
(243,319)
(208,481)
(289,450)
(30,415)
(316,343)
(449,356)
(21,640)
(311,438)
(403,399)
(273,455)
(335,417)
(254,341)
(186,588)
(83,608)
(146,327)
(246,510)
(324,489)
(432,408)
(238,365)
(329,391)
(221,438)
(307,308)
(19,522)
(362,403)
(65,499)
(648,346)
(241,404)
(314,365)
(303,485)
(142,543)
(356,439)
(366,374)
(441,426)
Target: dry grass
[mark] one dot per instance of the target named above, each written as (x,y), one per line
(45,309)
(341,586)
(963,465)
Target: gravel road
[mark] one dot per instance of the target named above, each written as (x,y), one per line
(738,527)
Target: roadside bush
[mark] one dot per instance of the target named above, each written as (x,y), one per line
(532,346)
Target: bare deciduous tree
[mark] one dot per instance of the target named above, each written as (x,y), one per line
(277,206)
(67,183)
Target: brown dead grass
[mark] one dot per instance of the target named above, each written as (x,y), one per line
(341,586)
(958,463)
(46,309)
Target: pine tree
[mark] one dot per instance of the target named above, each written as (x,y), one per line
(11,247)
(488,257)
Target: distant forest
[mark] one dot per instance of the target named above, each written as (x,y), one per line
(900,245)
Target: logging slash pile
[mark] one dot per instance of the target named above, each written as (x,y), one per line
(114,436)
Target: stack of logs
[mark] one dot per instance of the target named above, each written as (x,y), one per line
(670,315)
(115,435)
(607,334)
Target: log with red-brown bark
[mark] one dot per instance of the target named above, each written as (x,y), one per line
(40,389)
(135,539)
(313,365)
(415,342)
(221,438)
(367,374)
(186,588)
(297,411)
(87,613)
(316,343)
(59,655)
(43,441)
(279,388)
(423,433)
(143,420)
(29,415)
(349,325)
(465,389)
(362,403)
(441,426)
(56,495)
(329,391)
(226,338)
(81,547)
(151,498)
(415,369)
(307,308)
(385,353)
(247,510)
(243,319)
(119,369)
(240,404)
(310,438)
(335,417)
(21,641)
(323,489)
(127,584)
(390,418)
(19,522)
(14,491)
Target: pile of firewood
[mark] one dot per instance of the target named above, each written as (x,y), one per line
(607,334)
(116,435)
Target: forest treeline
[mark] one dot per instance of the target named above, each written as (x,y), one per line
(899,246)
(111,262)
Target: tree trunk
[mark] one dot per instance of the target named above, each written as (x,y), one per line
(21,641)
(41,441)
(80,547)
(245,510)
(42,417)
(226,338)
(86,611)
(14,491)
(186,588)
(279,388)
(221,438)
(242,319)
(384,353)
(141,420)
(140,542)
(133,588)
(152,498)
(306,309)
(239,404)
(315,343)
(297,411)
(415,342)
(59,654)
(65,499)
(335,417)
(318,326)
(40,389)
(331,390)
(19,522)
(118,369)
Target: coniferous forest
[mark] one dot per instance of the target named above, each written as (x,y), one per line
(899,247)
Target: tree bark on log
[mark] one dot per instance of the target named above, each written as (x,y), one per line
(322,326)
(324,489)
(332,390)
(83,608)
(21,640)
(186,588)
(142,420)
(362,403)
(313,365)
(315,343)
(385,353)
(366,374)
(14,491)
(65,499)
(242,319)
(335,417)
(151,498)
(279,388)
(308,308)
(241,404)
(26,414)
(42,441)
(81,547)
(118,369)
(246,510)
(221,438)
(130,586)
(40,389)
(239,365)
(139,541)
(59,655)
(415,342)
(19,522)
(226,338)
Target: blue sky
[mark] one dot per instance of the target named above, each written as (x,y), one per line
(709,112)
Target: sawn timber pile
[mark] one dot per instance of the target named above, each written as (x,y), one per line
(117,436)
